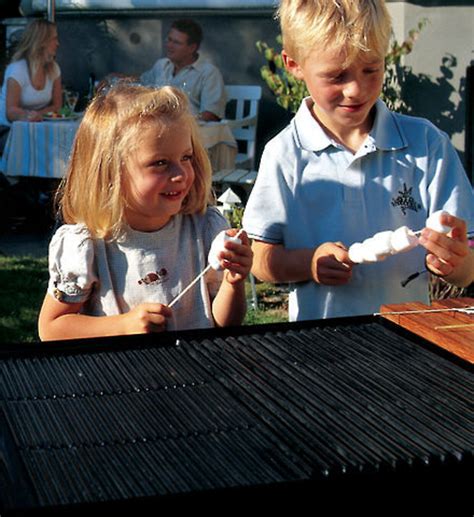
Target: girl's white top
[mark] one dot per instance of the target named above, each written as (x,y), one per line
(114,277)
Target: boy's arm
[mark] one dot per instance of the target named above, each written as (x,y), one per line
(58,320)
(449,255)
(327,264)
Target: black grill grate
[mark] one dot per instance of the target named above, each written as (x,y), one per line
(217,412)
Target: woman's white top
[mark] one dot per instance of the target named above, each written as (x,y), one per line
(31,98)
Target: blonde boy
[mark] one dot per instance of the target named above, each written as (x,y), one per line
(346,167)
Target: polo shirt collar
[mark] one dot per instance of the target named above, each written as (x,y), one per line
(310,134)
(386,134)
(198,64)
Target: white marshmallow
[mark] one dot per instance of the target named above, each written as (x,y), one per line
(434,222)
(217,246)
(380,244)
(403,239)
(356,253)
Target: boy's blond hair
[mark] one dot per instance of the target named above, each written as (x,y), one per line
(93,189)
(354,26)
(32,46)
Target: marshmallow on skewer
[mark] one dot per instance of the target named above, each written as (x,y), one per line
(383,244)
(213,262)
(434,222)
(380,244)
(403,239)
(356,253)
(217,246)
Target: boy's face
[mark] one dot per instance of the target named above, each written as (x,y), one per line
(343,97)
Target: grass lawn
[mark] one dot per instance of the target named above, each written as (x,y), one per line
(23,282)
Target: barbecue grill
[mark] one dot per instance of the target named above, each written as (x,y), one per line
(324,412)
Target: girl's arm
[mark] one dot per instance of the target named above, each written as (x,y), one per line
(229,305)
(58,320)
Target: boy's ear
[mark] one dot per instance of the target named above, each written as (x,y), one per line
(292,66)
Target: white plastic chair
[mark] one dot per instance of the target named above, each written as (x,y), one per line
(242,102)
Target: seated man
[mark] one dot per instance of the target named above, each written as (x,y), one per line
(184,68)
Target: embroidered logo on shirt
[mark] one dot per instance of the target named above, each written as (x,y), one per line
(405,200)
(156,277)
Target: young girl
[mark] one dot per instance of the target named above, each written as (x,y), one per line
(139,228)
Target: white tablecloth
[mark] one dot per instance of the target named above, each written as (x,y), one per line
(38,148)
(42,148)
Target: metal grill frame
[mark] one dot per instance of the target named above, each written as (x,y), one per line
(16,491)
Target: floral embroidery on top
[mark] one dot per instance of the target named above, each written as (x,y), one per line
(405,200)
(154,277)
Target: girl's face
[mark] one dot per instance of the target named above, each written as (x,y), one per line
(159,175)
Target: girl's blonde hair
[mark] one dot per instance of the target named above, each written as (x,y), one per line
(32,46)
(92,191)
(354,26)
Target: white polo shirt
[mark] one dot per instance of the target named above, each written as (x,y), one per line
(311,189)
(201,81)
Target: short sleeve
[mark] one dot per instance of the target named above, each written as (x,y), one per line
(266,213)
(72,272)
(17,71)
(449,188)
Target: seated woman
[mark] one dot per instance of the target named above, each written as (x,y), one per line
(32,82)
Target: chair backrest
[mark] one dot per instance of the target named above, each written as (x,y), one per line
(242,114)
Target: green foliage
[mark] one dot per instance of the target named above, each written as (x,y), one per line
(235,217)
(289,92)
(395,73)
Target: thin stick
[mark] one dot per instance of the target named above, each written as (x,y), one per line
(186,289)
(201,274)
(425,311)
(459,326)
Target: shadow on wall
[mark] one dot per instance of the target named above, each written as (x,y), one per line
(432,98)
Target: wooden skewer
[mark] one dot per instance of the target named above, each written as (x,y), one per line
(467,309)
(193,282)
(458,326)
(186,289)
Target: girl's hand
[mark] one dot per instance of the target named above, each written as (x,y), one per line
(237,258)
(446,252)
(331,265)
(146,318)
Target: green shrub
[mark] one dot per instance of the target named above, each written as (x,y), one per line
(289,92)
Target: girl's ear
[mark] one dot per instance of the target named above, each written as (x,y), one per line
(292,66)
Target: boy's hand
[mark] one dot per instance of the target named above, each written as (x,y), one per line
(146,318)
(446,252)
(331,265)
(238,258)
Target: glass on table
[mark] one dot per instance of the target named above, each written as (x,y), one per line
(70,99)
